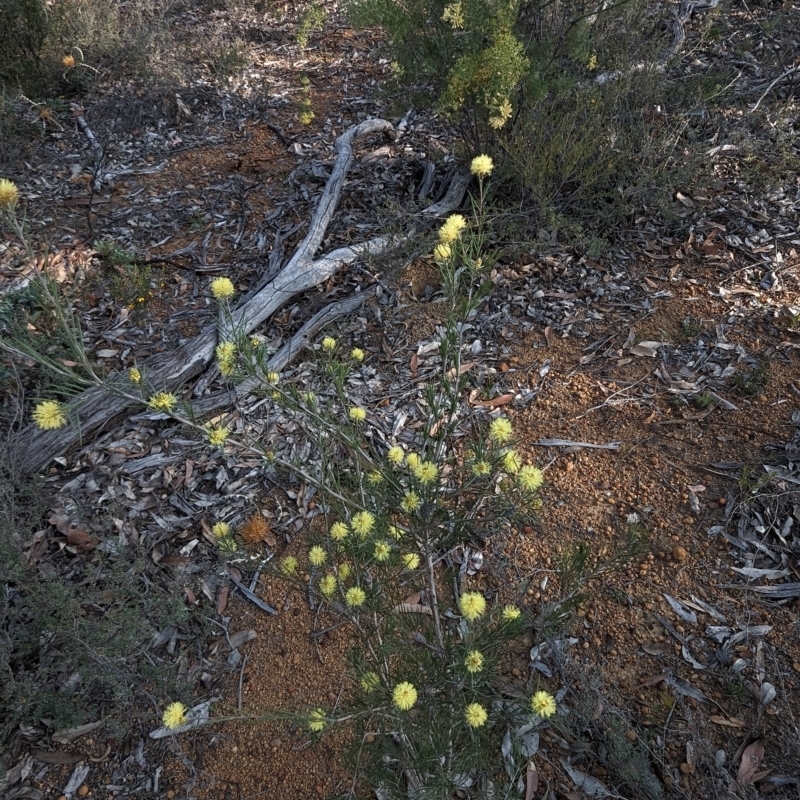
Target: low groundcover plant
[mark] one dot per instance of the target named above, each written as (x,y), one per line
(427,672)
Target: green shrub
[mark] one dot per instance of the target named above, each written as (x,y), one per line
(72,648)
(519,79)
(50,48)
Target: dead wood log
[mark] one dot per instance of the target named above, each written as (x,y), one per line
(98,407)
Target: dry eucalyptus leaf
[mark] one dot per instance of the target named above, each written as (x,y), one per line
(752,756)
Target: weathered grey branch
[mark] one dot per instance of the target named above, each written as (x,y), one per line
(98,407)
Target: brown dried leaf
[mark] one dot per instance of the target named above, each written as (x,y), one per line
(752,756)
(81,541)
(222,599)
(502,400)
(730,722)
(531,781)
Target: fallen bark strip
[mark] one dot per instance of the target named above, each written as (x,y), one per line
(98,407)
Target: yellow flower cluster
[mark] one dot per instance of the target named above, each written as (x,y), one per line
(328,585)
(543,704)
(218,435)
(500,430)
(472,605)
(382,551)
(357,354)
(221,529)
(344,571)
(317,556)
(454,15)
(357,414)
(9,194)
(134,376)
(226,358)
(396,455)
(174,716)
(48,415)
(474,661)
(481,166)
(511,462)
(411,502)
(404,695)
(442,251)
(338,531)
(410,560)
(329,344)
(452,228)
(425,472)
(362,523)
(289,565)
(222,288)
(475,715)
(355,596)
(501,114)
(510,613)
(163,401)
(530,478)
(318,720)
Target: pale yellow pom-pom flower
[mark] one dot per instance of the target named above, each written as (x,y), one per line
(474,661)
(543,704)
(48,415)
(500,430)
(289,565)
(370,681)
(134,376)
(410,560)
(218,435)
(395,455)
(357,414)
(222,288)
(481,166)
(452,228)
(328,585)
(510,613)
(355,596)
(317,556)
(472,605)
(329,343)
(475,715)
(338,531)
(220,529)
(362,523)
(442,251)
(174,716)
(404,695)
(9,194)
(163,401)
(357,354)
(318,720)
(530,478)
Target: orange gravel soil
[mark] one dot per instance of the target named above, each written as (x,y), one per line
(589,496)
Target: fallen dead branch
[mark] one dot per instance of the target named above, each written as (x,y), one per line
(99,406)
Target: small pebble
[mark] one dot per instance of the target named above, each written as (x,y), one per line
(685,769)
(679,553)
(170,794)
(630,735)
(83,790)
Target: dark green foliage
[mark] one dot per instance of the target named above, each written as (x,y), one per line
(74,637)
